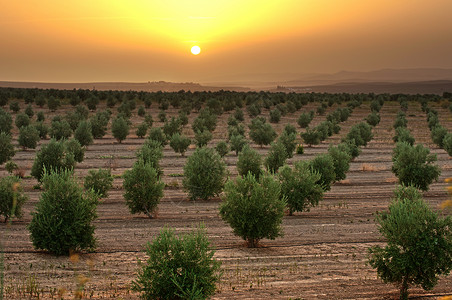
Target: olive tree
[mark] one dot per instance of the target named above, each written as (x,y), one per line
(12,197)
(6,147)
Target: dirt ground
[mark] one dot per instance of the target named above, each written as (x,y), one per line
(322,255)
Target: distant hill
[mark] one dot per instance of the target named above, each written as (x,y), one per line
(122,86)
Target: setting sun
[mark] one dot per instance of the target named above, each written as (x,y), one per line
(195,50)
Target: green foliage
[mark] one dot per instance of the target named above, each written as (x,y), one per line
(447,143)
(53,103)
(419,245)
(73,146)
(83,134)
(14,106)
(52,156)
(172,127)
(341,160)
(12,197)
(142,129)
(141,111)
(22,120)
(10,166)
(300,187)
(311,137)
(438,133)
(156,134)
(100,181)
(120,129)
(206,120)
(6,147)
(222,148)
(202,138)
(63,216)
(288,140)
(143,188)
(99,124)
(375,107)
(407,192)
(400,120)
(237,143)
(275,115)
(253,110)
(149,120)
(373,119)
(414,165)
(253,208)
(28,137)
(403,134)
(350,147)
(151,152)
(304,119)
(180,143)
(289,129)
(249,161)
(261,132)
(6,121)
(324,165)
(162,116)
(361,133)
(29,111)
(183,118)
(40,100)
(204,174)
(276,157)
(238,114)
(60,129)
(178,267)
(300,149)
(92,102)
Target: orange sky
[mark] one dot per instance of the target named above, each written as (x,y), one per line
(141,40)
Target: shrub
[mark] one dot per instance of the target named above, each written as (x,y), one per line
(73,146)
(237,143)
(28,137)
(253,208)
(180,143)
(414,165)
(53,103)
(143,188)
(261,132)
(99,124)
(22,120)
(289,129)
(52,156)
(202,138)
(42,129)
(83,134)
(12,197)
(361,133)
(300,187)
(162,116)
(288,140)
(375,106)
(151,152)
(311,137)
(249,161)
(6,147)
(141,111)
(253,110)
(324,165)
(222,148)
(341,161)
(275,115)
(205,121)
(156,134)
(172,127)
(6,122)
(373,119)
(438,133)
(403,135)
(304,119)
(447,143)
(11,166)
(407,192)
(60,129)
(99,181)
(29,111)
(300,149)
(419,245)
(63,217)
(120,129)
(178,267)
(400,120)
(142,130)
(276,157)
(183,118)
(350,147)
(238,114)
(239,129)
(149,120)
(14,106)
(204,174)
(92,102)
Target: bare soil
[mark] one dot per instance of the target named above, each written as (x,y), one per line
(322,255)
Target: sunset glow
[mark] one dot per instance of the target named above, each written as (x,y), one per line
(51,40)
(195,50)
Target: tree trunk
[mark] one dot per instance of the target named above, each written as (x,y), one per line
(404,289)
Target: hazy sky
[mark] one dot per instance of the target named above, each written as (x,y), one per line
(141,40)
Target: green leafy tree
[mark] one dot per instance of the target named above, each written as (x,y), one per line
(6,121)
(6,148)
(14,106)
(172,127)
(300,186)
(53,103)
(120,129)
(180,143)
(419,245)
(261,132)
(142,129)
(414,165)
(83,134)
(304,119)
(178,267)
(204,174)
(22,120)
(99,123)
(202,138)
(237,143)
(151,152)
(60,129)
(73,146)
(40,117)
(438,133)
(341,161)
(100,181)
(447,143)
(249,161)
(310,137)
(64,214)
(143,188)
(373,119)
(324,165)
(141,111)
(43,129)
(28,137)
(288,140)
(238,114)
(12,197)
(276,157)
(206,120)
(275,115)
(403,134)
(222,148)
(253,208)
(157,134)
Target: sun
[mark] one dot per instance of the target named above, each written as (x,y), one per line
(195,50)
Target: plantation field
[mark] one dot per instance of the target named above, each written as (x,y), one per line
(322,255)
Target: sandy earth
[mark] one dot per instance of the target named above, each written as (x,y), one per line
(322,255)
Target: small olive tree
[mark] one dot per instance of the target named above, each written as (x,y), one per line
(143,188)
(12,197)
(180,143)
(204,174)
(28,137)
(419,245)
(253,208)
(249,161)
(6,147)
(100,181)
(120,129)
(261,133)
(83,134)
